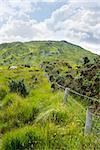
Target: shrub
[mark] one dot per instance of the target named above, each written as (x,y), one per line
(86,60)
(18,87)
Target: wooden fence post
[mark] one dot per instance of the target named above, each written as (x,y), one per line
(88,123)
(66,95)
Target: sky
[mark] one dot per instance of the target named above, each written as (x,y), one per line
(76,21)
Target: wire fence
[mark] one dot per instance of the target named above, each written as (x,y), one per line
(74,92)
(92,122)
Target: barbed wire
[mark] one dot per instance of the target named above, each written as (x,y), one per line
(93,99)
(84,109)
(63,87)
(84,96)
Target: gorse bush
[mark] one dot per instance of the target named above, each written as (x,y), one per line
(18,87)
(86,60)
(84,78)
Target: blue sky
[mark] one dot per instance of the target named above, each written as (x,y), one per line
(45,9)
(76,21)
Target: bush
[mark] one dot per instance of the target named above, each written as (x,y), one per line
(86,60)
(18,87)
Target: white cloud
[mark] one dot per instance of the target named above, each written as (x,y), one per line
(80,25)
(90,2)
(23,30)
(11,9)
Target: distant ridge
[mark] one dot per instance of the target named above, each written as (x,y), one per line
(31,51)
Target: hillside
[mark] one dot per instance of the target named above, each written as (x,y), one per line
(33,115)
(29,52)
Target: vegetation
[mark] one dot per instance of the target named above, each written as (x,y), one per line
(32,114)
(36,51)
(18,87)
(84,78)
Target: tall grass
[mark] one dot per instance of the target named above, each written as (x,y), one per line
(41,121)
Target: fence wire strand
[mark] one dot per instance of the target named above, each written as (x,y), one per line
(94,115)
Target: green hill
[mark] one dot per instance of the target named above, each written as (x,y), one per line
(32,113)
(29,52)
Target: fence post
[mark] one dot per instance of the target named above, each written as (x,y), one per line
(66,95)
(88,123)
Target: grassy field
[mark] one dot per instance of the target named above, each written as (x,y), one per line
(39,120)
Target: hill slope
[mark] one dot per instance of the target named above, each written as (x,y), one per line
(32,112)
(29,52)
